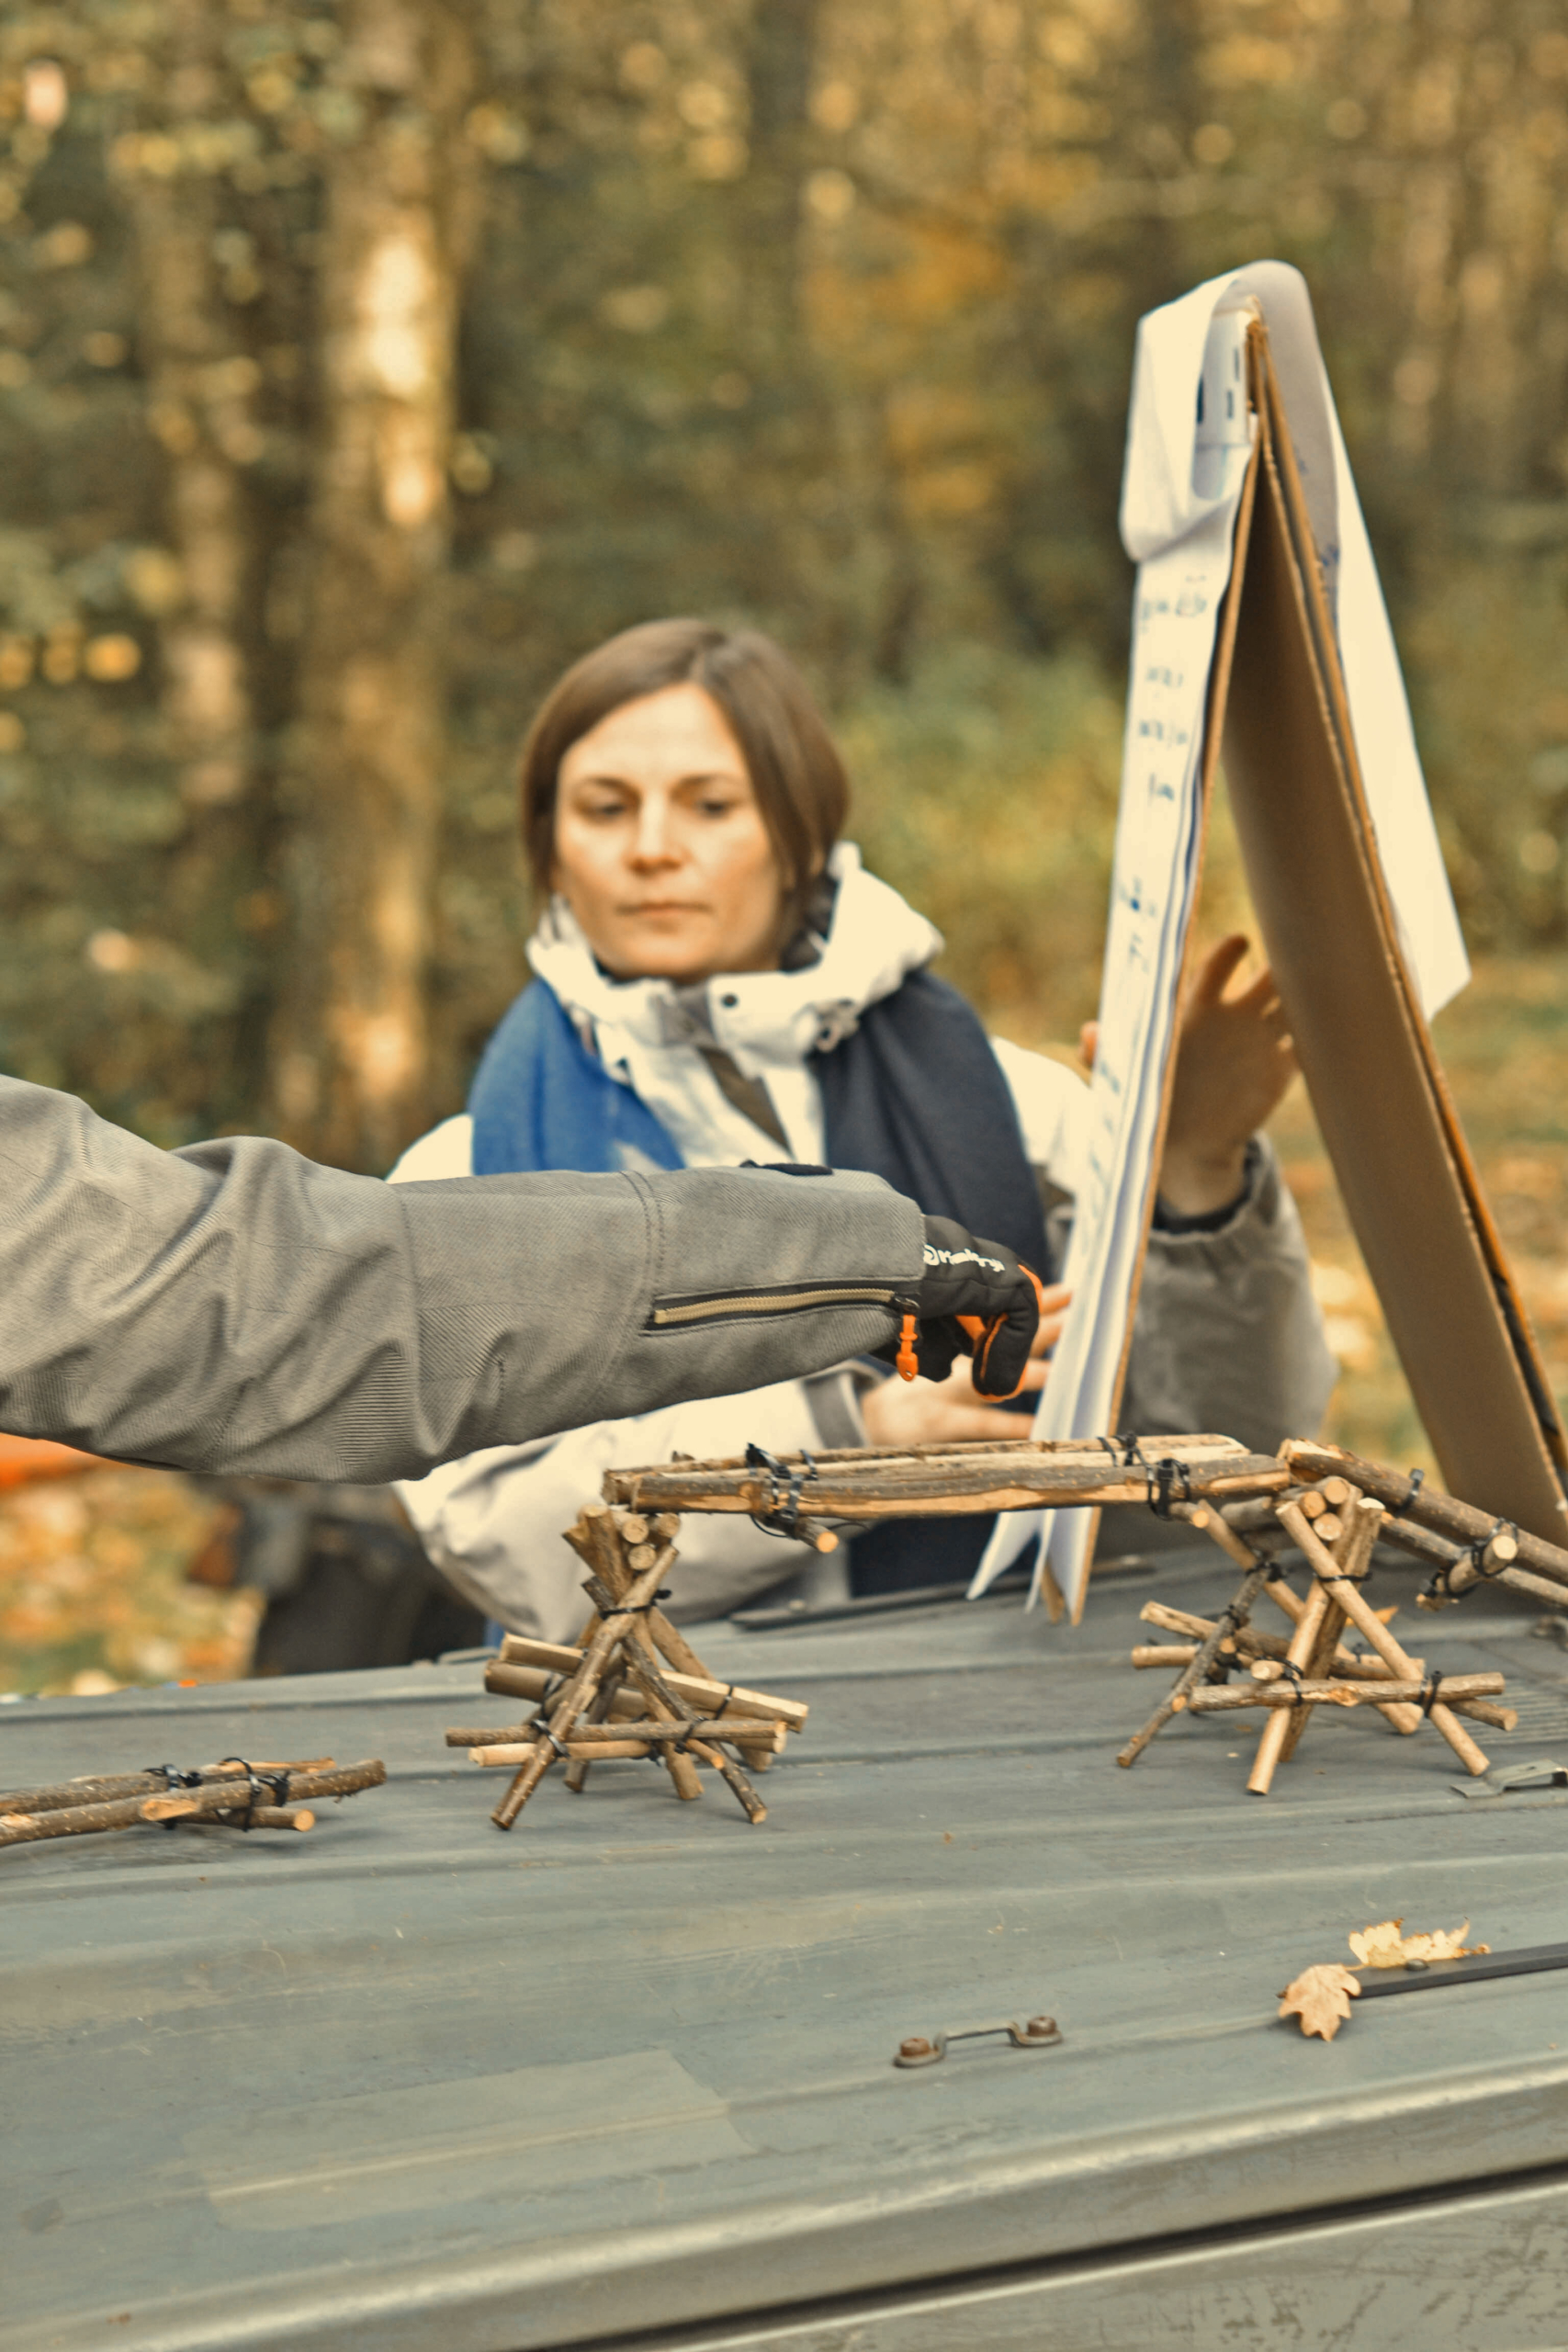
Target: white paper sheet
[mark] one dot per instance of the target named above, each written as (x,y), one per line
(1188,443)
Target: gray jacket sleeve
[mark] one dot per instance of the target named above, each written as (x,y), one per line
(235,1308)
(1228,1336)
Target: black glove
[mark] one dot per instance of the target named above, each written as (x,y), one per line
(973,1298)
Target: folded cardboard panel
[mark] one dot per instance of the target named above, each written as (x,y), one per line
(1404,1172)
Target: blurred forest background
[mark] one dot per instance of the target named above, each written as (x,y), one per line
(361,363)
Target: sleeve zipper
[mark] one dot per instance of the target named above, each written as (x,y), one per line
(691,1312)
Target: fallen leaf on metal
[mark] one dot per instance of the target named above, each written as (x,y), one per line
(1321,1998)
(1384,1946)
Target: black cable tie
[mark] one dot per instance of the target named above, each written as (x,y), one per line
(1437,1584)
(1430,1695)
(257,1785)
(174,1778)
(782,1515)
(1417,1479)
(1168,1480)
(1293,1675)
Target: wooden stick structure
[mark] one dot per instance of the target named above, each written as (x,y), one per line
(234,1794)
(1336,1523)
(862,1483)
(632,1687)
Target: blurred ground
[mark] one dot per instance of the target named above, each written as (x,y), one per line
(91,1568)
(92,1589)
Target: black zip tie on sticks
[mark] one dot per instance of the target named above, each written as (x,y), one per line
(1438,1587)
(1169,1481)
(1293,1675)
(782,1517)
(1417,1479)
(274,1785)
(174,1778)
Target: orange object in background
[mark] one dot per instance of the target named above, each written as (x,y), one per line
(25,1460)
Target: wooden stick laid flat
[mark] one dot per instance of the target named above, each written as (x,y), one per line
(1221,1698)
(105,1787)
(703,1690)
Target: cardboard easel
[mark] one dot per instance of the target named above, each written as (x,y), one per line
(1276,716)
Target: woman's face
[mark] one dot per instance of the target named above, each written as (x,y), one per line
(660,851)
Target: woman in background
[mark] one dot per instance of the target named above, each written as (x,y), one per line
(718,979)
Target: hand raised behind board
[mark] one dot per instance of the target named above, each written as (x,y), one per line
(1234,1062)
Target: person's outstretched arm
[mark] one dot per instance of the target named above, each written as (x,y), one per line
(233,1307)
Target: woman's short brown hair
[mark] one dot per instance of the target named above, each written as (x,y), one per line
(793,762)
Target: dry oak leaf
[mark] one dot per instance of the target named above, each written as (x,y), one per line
(1384,1946)
(1321,1998)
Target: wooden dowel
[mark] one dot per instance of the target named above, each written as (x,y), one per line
(639,1739)
(1351,1539)
(1212,1523)
(1176,1621)
(701,1691)
(105,1789)
(1300,1648)
(1220,1698)
(604,1701)
(70,1821)
(640,1658)
(206,1803)
(663,1529)
(224,1796)
(1444,1514)
(1203,1663)
(1459,1568)
(608,1637)
(906,1486)
(756,1812)
(1256,1515)
(616,1551)
(1382,1640)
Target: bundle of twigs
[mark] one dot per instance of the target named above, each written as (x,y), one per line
(856,1484)
(632,1686)
(233,1794)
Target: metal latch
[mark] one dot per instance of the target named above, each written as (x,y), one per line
(924,2050)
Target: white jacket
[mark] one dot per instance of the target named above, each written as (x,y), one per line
(1227,1335)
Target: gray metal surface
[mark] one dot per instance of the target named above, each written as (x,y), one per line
(409,2083)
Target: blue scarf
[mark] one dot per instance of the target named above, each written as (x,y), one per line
(541,1099)
(915,1095)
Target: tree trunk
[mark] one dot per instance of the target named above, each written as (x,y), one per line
(351,1060)
(201,387)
